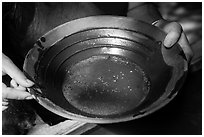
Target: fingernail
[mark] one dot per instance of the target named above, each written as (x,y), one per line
(20,87)
(29,81)
(29,97)
(13,83)
(168,44)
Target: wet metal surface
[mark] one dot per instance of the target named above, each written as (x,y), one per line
(113,84)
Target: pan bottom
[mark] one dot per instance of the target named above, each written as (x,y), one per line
(105,85)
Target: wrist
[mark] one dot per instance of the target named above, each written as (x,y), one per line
(133,5)
(146,12)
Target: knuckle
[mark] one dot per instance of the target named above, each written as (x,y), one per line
(177,25)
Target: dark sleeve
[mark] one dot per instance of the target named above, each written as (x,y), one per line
(15,20)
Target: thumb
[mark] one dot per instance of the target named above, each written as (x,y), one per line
(173,30)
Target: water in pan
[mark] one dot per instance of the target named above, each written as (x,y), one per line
(105,85)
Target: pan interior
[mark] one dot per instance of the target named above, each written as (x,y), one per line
(105,85)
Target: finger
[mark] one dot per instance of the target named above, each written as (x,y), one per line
(183,41)
(4,103)
(4,107)
(3,73)
(173,31)
(14,84)
(14,72)
(20,88)
(171,38)
(11,93)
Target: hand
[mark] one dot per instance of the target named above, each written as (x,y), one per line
(19,83)
(175,34)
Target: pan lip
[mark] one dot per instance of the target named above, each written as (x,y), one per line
(42,45)
(61,112)
(109,23)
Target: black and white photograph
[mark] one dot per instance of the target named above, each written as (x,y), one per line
(101,68)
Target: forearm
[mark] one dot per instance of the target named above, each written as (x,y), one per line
(146,12)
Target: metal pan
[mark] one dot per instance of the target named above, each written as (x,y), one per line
(104,69)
